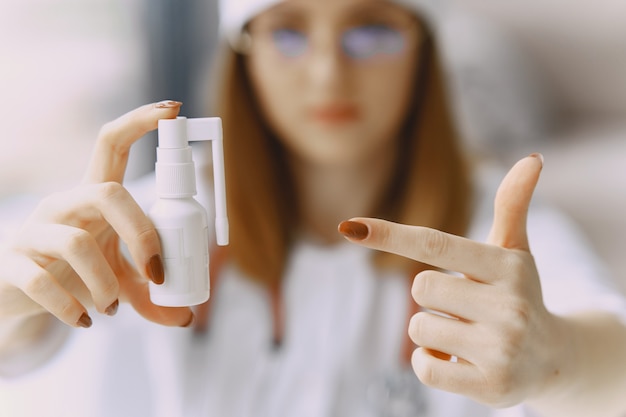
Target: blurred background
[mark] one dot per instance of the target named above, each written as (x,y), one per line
(531,75)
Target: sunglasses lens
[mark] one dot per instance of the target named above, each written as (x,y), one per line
(368,41)
(289,42)
(359,43)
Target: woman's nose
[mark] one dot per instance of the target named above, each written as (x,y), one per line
(328,66)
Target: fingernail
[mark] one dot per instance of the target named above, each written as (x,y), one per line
(84,321)
(112,309)
(155,270)
(191,321)
(538,156)
(353,230)
(166,104)
(277,343)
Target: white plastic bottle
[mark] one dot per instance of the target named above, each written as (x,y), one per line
(179,219)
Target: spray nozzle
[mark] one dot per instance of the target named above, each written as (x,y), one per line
(175,172)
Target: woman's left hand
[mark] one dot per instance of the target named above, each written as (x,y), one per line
(495,324)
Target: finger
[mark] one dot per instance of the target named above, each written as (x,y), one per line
(41,286)
(456,296)
(110,156)
(81,251)
(458,377)
(129,221)
(512,202)
(443,334)
(112,202)
(137,293)
(426,245)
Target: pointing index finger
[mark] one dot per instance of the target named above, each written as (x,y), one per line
(108,162)
(424,244)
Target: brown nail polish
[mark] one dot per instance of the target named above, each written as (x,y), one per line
(112,309)
(155,270)
(353,230)
(538,156)
(191,321)
(84,321)
(167,104)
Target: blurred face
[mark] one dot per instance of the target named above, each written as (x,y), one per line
(334,77)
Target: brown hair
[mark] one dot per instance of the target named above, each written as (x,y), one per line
(431,185)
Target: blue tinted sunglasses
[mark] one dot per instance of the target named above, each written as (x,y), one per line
(359,43)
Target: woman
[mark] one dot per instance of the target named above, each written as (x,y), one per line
(331,109)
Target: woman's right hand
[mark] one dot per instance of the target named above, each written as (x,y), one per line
(67,258)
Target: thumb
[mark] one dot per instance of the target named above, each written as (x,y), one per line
(512,202)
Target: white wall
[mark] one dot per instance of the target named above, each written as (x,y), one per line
(580,45)
(67,67)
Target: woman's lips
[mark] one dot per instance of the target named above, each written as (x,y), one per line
(335,113)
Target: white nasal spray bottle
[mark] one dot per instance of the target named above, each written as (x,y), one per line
(179,219)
